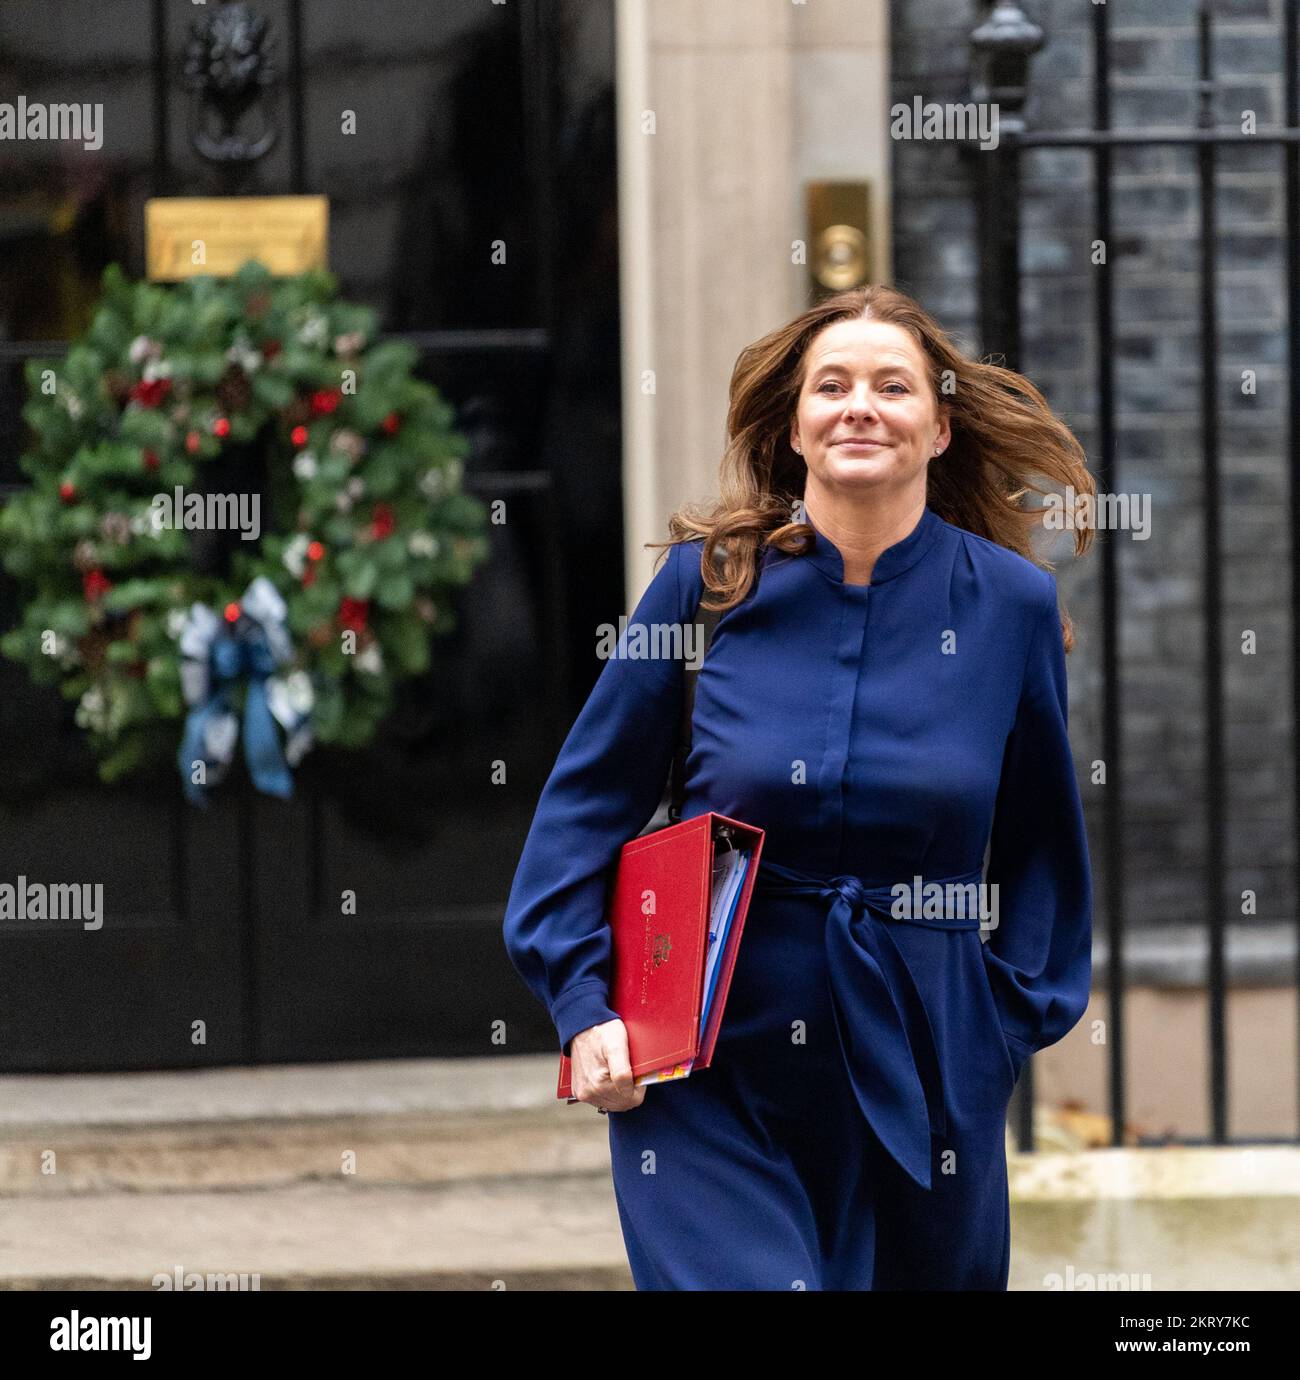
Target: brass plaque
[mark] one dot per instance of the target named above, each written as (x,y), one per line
(288,234)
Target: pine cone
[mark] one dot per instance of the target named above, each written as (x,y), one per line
(118,385)
(234,392)
(92,646)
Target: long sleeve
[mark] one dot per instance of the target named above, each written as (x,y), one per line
(1039,956)
(603,789)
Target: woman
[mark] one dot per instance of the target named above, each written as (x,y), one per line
(885,695)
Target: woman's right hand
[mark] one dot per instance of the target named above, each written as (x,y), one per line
(602,1068)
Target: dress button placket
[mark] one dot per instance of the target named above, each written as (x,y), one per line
(842,697)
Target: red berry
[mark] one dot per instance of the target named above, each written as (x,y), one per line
(315,550)
(151,461)
(232,613)
(353,612)
(392,424)
(221,427)
(299,436)
(68,491)
(94,583)
(151,392)
(192,442)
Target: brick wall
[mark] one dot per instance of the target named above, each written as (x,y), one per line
(1154,255)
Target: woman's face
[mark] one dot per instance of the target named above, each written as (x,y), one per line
(866,414)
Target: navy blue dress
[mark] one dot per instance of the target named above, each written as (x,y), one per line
(849,1133)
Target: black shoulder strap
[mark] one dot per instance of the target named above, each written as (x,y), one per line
(709,619)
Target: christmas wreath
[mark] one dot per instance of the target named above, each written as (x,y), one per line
(178,626)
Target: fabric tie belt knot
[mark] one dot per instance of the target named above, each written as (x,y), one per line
(880,1019)
(849,888)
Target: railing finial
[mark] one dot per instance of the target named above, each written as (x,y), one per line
(1001,47)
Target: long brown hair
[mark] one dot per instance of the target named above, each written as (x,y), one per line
(1004,437)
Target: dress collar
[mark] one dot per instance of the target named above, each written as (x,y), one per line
(892,561)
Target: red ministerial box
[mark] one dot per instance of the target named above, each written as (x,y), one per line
(657,959)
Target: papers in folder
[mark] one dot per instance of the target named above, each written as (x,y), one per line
(729,868)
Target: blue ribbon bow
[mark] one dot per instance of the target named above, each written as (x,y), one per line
(880,1018)
(218,655)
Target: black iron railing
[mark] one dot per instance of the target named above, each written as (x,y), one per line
(1002,49)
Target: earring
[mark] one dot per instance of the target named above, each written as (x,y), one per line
(797,451)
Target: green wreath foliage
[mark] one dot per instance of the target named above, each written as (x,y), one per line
(365,529)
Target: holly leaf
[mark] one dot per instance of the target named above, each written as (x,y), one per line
(360,582)
(395,591)
(406,638)
(272,391)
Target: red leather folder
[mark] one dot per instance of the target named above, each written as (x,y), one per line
(659,913)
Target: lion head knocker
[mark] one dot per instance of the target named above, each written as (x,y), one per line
(228,66)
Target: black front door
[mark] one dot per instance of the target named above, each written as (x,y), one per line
(362,918)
